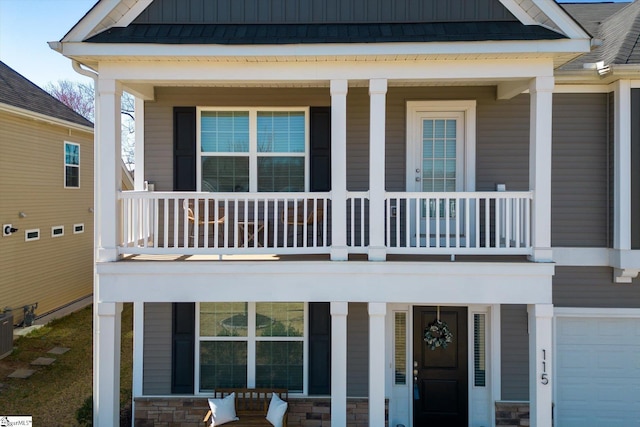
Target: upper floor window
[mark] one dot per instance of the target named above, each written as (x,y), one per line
(253,149)
(71,165)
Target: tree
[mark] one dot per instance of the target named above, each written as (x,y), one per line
(80,97)
(75,95)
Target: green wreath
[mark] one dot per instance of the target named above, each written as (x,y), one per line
(437,334)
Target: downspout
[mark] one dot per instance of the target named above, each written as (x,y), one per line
(96,212)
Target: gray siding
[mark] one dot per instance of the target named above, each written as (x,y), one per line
(580,194)
(515,352)
(635,168)
(157,349)
(322,11)
(593,287)
(358,350)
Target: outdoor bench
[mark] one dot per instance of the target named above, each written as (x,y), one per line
(252,405)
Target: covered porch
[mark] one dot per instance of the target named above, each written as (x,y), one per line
(383,197)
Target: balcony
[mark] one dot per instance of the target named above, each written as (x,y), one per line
(190,223)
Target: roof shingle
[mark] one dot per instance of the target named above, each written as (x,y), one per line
(17,91)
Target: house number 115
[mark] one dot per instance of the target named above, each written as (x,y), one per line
(544,378)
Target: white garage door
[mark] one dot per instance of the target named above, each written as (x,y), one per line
(597,372)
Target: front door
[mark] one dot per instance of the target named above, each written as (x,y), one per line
(440,375)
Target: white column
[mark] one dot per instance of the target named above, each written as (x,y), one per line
(622,166)
(106,375)
(109,177)
(540,366)
(139,145)
(377,122)
(377,365)
(138,348)
(541,95)
(339,311)
(339,251)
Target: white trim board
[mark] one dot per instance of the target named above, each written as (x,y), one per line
(596,312)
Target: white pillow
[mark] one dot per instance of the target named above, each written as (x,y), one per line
(223,410)
(277,409)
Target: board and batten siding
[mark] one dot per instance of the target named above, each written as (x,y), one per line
(320,11)
(593,287)
(157,349)
(580,192)
(52,271)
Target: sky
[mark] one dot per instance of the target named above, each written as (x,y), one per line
(25,28)
(27,25)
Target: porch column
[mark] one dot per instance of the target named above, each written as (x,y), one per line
(377,94)
(138,348)
(377,312)
(139,145)
(339,251)
(339,311)
(106,365)
(622,166)
(108,176)
(541,96)
(540,366)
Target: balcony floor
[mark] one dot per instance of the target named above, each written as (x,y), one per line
(325,257)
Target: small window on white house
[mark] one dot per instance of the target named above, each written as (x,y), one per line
(71,165)
(33,234)
(78,228)
(57,231)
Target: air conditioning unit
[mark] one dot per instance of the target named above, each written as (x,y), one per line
(6,334)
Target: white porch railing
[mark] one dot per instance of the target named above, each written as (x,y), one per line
(459,223)
(224,223)
(189,223)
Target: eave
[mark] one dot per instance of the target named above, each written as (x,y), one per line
(43,118)
(561,51)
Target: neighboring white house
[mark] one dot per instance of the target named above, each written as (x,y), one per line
(331,179)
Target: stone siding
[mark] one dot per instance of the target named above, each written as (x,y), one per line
(303,412)
(512,414)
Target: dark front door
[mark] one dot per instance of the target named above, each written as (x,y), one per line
(440,375)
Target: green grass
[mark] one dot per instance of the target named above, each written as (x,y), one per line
(54,393)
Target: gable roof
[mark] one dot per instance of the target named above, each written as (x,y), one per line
(17,91)
(619,29)
(257,34)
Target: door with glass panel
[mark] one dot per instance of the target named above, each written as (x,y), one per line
(438,164)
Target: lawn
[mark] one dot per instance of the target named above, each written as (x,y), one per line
(54,393)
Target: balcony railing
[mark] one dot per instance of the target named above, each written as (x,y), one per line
(189,223)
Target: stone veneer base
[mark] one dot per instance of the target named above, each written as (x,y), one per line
(512,414)
(189,411)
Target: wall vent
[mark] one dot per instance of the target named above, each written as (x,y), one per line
(57,231)
(33,234)
(78,228)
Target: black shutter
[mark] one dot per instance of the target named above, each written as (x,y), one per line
(184,148)
(319,348)
(182,347)
(320,139)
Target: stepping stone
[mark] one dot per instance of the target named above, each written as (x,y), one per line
(22,373)
(43,361)
(58,350)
